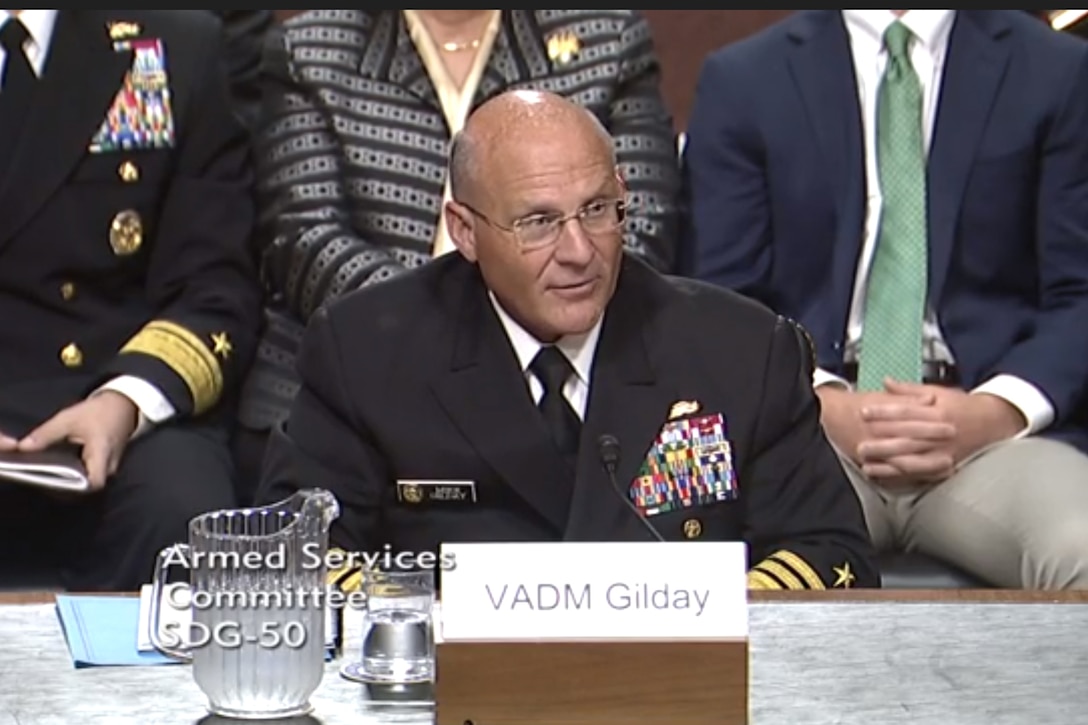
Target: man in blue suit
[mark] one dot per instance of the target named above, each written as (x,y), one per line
(912,186)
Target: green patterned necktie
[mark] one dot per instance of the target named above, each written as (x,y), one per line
(891,344)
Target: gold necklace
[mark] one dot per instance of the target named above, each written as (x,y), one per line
(452,47)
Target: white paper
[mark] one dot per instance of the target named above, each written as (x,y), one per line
(49,476)
(176,618)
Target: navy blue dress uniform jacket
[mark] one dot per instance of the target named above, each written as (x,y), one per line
(414,379)
(127,261)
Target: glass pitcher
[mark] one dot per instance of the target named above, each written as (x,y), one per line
(257,596)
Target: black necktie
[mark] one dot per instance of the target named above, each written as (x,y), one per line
(16,86)
(553,370)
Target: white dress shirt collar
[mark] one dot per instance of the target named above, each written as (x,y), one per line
(930,27)
(39,24)
(579,349)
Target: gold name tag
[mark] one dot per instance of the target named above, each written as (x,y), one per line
(433,492)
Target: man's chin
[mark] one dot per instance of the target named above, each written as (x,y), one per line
(578,320)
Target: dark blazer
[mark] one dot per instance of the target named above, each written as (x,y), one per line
(775,183)
(352,163)
(415,379)
(245,33)
(127,261)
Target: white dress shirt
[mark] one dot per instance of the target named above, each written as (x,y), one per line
(153,406)
(928,48)
(579,349)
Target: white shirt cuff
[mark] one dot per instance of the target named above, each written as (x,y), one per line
(1025,397)
(821,377)
(152,405)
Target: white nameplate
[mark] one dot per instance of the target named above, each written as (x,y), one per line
(595,591)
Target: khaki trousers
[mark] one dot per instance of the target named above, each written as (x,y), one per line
(1015,515)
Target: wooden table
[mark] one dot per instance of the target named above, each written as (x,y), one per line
(974,657)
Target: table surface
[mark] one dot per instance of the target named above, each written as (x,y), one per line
(951,657)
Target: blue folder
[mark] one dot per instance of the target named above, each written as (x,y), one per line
(101,631)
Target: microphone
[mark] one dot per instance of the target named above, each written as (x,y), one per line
(609,450)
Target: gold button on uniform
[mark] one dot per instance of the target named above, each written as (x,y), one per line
(128,172)
(126,233)
(693,529)
(71,356)
(67,291)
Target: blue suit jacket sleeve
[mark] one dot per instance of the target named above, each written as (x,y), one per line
(1054,357)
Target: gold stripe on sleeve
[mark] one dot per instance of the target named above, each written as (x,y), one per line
(186,354)
(759,580)
(781,573)
(801,568)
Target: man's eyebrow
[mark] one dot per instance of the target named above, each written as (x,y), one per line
(543,208)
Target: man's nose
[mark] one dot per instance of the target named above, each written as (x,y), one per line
(574,246)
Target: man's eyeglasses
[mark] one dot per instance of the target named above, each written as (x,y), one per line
(541,230)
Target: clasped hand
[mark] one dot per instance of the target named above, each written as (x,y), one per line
(102,425)
(912,432)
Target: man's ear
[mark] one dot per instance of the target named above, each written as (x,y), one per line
(621,181)
(460,225)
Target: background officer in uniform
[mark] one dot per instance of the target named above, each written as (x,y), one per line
(127,289)
(493,374)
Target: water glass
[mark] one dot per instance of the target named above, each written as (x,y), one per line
(398,640)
